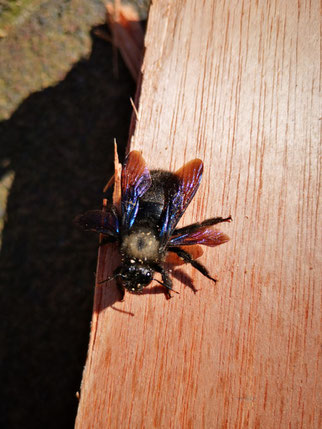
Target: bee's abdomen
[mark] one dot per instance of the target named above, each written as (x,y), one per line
(151,204)
(150,211)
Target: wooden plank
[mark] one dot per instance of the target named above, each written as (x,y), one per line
(236,84)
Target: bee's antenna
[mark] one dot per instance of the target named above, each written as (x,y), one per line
(168,287)
(109,279)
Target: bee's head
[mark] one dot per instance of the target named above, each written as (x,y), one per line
(135,276)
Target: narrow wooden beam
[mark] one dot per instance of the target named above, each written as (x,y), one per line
(234,83)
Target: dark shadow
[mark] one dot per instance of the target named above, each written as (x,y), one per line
(128,313)
(59,143)
(183,277)
(155,289)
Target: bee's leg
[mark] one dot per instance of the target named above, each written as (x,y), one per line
(215,220)
(195,226)
(119,284)
(120,287)
(116,276)
(167,282)
(188,259)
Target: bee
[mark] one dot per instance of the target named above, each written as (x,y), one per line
(145,226)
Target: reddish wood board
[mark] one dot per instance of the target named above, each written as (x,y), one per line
(235,83)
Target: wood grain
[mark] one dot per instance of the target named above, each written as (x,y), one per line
(235,83)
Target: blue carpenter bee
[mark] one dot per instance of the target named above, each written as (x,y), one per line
(152,203)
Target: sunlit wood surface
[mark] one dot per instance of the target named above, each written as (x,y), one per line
(235,83)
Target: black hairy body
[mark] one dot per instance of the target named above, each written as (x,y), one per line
(154,199)
(152,204)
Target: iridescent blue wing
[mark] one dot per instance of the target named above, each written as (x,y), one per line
(135,181)
(180,192)
(205,235)
(102,221)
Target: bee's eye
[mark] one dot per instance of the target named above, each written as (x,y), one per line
(145,276)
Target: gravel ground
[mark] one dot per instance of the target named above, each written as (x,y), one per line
(60,107)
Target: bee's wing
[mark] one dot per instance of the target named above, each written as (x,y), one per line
(104,222)
(135,181)
(205,235)
(180,192)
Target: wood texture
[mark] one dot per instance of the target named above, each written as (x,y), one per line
(236,84)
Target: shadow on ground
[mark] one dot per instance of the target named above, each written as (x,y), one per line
(59,143)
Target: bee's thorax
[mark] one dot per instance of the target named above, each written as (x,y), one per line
(142,245)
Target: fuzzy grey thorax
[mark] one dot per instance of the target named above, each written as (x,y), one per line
(141,245)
